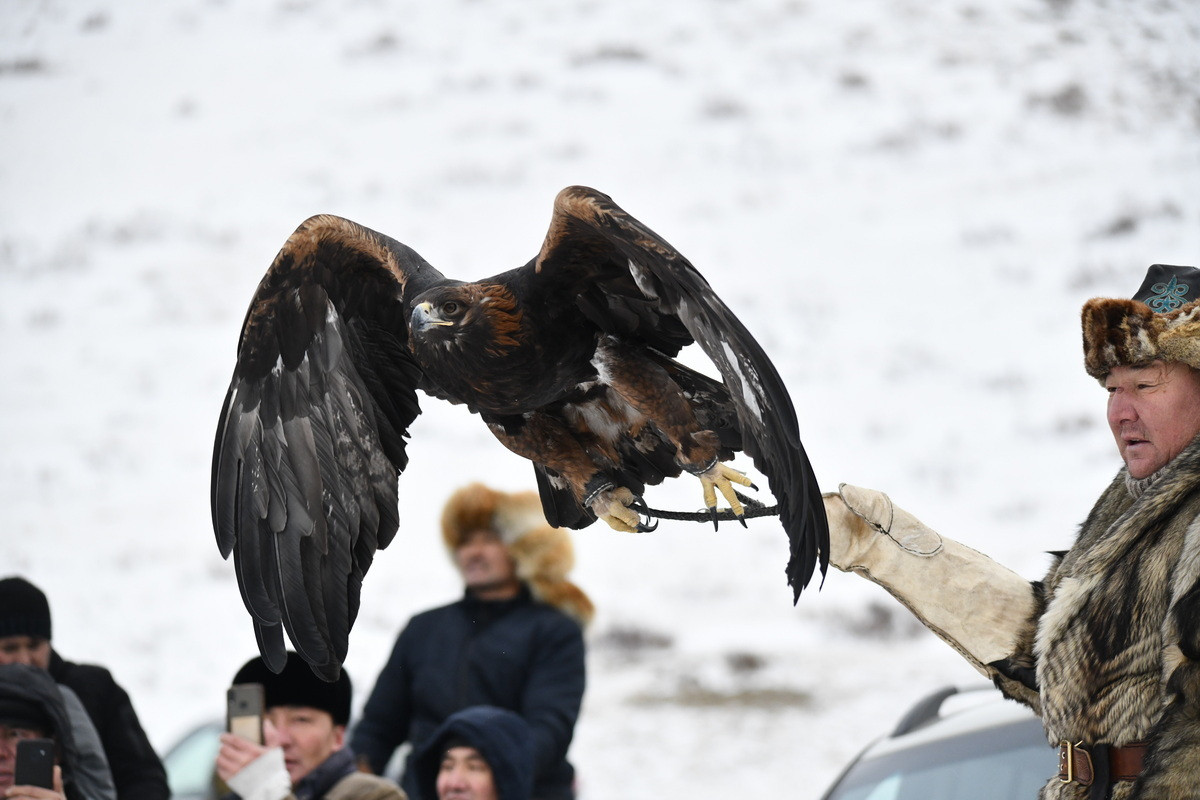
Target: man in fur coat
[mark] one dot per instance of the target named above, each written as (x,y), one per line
(1106,648)
(514,640)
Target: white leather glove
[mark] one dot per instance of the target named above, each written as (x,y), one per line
(974,604)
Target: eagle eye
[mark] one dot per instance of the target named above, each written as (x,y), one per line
(450,308)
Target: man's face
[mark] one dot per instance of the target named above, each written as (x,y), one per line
(9,736)
(33,651)
(307,736)
(486,567)
(1153,412)
(464,775)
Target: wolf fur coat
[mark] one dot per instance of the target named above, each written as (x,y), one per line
(1115,638)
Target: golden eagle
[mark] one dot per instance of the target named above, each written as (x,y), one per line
(568,360)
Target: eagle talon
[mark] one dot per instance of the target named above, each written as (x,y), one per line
(722,477)
(639,505)
(619,508)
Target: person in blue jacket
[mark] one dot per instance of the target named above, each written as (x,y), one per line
(479,753)
(514,640)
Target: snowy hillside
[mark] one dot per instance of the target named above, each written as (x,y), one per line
(906,202)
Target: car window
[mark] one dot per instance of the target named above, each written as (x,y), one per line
(191,762)
(1001,763)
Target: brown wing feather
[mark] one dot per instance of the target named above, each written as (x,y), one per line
(311,435)
(652,294)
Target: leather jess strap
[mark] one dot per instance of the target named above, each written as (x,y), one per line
(1077,763)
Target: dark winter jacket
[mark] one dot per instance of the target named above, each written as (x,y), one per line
(25,683)
(503,739)
(136,769)
(518,654)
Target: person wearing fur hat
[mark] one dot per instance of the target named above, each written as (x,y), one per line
(479,753)
(514,640)
(117,759)
(303,755)
(1106,647)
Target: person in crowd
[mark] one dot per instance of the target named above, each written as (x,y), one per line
(126,765)
(514,640)
(304,754)
(1106,647)
(31,707)
(479,753)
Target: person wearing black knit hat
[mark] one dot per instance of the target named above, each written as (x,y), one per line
(24,612)
(117,759)
(304,729)
(479,753)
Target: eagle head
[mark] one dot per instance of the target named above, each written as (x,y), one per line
(468,316)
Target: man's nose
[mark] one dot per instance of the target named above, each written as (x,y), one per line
(276,735)
(1120,409)
(456,777)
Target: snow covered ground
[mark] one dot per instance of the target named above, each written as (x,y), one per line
(907,203)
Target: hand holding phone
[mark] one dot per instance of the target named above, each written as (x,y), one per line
(244,710)
(35,763)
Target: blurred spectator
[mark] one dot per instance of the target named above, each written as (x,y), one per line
(137,773)
(479,753)
(514,640)
(31,707)
(304,730)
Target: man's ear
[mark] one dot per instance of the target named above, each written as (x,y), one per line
(339,737)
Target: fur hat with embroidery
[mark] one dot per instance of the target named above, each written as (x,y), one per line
(1161,321)
(544,555)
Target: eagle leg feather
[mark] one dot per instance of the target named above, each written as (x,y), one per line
(546,440)
(647,386)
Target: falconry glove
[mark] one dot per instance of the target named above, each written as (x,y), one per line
(976,605)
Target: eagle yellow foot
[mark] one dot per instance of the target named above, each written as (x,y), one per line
(721,477)
(613,506)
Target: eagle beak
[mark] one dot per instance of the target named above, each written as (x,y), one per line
(424,317)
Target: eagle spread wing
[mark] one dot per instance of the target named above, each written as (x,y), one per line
(568,360)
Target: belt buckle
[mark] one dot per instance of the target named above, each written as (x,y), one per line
(1066,770)
(1066,752)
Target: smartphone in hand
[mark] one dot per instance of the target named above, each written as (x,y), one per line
(35,763)
(244,710)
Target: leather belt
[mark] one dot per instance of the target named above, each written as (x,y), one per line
(1082,765)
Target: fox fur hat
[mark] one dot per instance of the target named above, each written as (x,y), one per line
(543,554)
(1162,321)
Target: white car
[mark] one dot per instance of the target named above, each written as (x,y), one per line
(955,744)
